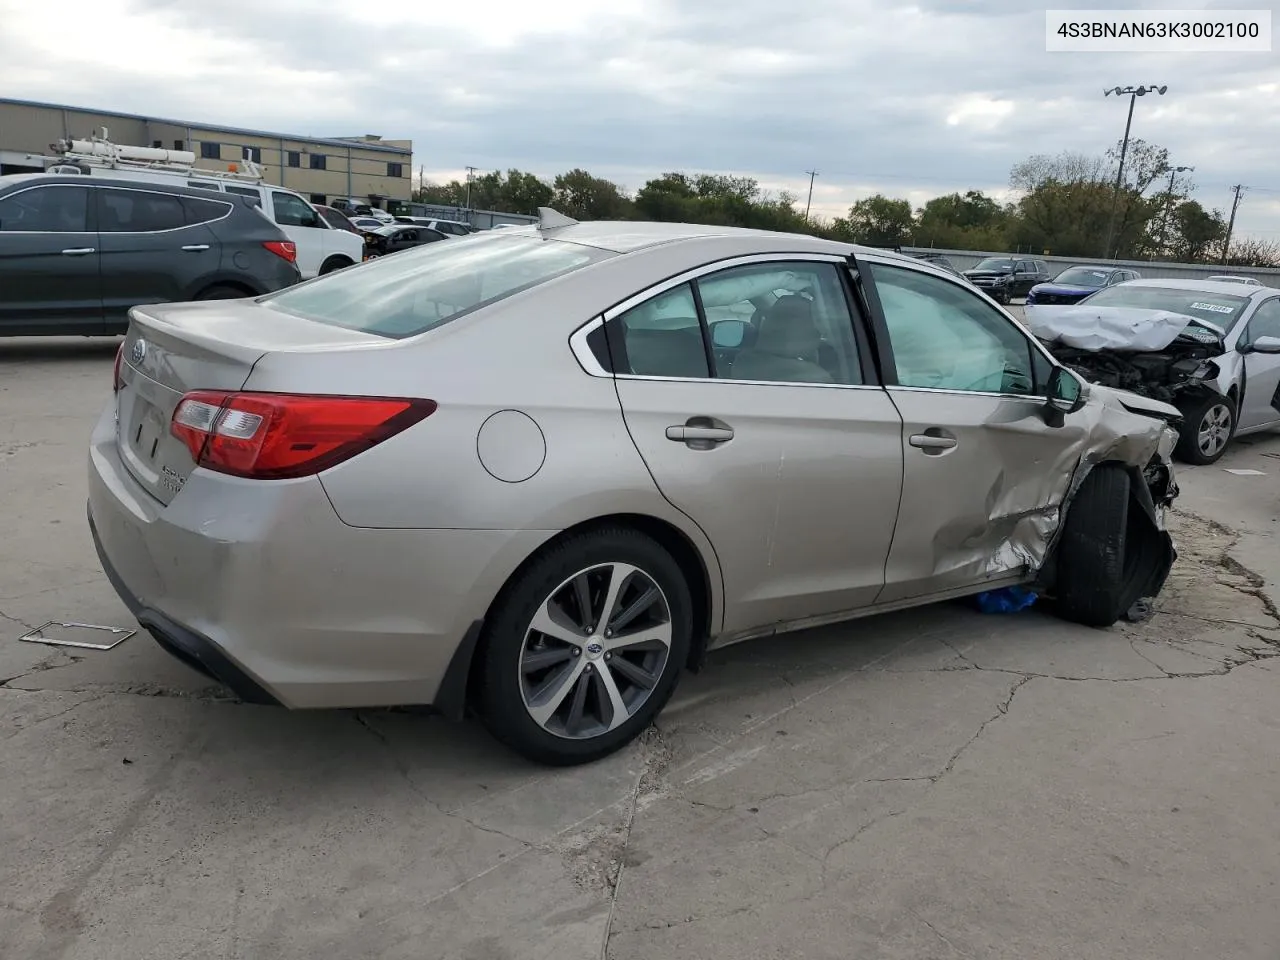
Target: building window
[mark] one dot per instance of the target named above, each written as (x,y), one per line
(253,154)
(211,151)
(318,198)
(158,144)
(295,158)
(179,145)
(318,161)
(395,169)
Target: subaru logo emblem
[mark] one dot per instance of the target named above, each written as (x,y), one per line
(139,352)
(594,648)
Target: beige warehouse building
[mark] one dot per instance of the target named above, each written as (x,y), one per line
(366,168)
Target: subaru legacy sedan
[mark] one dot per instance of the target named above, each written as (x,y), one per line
(540,473)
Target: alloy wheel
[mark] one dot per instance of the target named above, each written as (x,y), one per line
(1215,430)
(595,650)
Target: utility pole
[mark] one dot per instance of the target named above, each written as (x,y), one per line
(470,171)
(1134,93)
(1168,205)
(1226,244)
(807,203)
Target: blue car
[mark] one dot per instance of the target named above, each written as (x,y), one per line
(1075,283)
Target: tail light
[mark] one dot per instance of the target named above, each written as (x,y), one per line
(116,382)
(285,249)
(275,436)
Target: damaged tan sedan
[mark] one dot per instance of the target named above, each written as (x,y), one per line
(540,472)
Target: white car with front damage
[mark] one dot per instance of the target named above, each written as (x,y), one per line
(1210,348)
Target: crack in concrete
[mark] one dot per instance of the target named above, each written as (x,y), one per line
(210,694)
(12,619)
(52,716)
(405,774)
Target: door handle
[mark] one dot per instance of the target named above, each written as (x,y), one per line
(683,433)
(927,442)
(196,246)
(77,251)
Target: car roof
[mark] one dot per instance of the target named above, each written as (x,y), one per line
(627,236)
(118,183)
(1222,287)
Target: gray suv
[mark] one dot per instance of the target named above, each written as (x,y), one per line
(76,254)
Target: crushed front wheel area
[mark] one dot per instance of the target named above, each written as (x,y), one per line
(1112,551)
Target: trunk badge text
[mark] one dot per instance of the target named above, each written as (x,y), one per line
(139,352)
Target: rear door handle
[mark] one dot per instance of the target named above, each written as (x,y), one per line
(927,442)
(683,433)
(196,246)
(77,251)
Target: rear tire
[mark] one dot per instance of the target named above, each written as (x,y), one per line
(334,263)
(1209,423)
(1103,553)
(222,291)
(582,690)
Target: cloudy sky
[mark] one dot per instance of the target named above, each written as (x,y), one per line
(910,100)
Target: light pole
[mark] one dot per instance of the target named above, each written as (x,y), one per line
(1168,205)
(1134,93)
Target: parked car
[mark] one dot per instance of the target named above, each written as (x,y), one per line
(1210,348)
(321,248)
(1003,278)
(366,224)
(388,485)
(454,228)
(1075,283)
(77,252)
(1223,278)
(395,237)
(337,219)
(938,260)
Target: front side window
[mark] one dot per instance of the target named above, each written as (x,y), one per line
(292,211)
(136,211)
(51,209)
(1265,322)
(943,337)
(422,288)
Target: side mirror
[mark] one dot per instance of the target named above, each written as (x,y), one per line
(729,334)
(1264,345)
(1065,395)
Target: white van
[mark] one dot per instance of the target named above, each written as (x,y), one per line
(321,248)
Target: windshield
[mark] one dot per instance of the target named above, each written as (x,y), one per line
(425,286)
(996,264)
(1082,277)
(1221,310)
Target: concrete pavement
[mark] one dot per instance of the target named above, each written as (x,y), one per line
(936,783)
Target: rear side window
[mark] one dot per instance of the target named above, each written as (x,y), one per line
(137,211)
(204,211)
(245,192)
(51,209)
(426,286)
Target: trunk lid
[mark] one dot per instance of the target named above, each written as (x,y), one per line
(171,349)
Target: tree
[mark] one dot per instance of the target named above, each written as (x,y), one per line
(452,194)
(1194,232)
(579,195)
(1251,252)
(969,221)
(877,221)
(525,193)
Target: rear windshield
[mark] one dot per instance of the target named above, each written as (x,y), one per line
(410,292)
(1221,310)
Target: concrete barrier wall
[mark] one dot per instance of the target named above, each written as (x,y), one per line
(965,259)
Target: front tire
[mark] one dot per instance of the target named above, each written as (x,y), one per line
(1103,554)
(585,646)
(1209,423)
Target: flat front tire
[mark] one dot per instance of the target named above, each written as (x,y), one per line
(585,646)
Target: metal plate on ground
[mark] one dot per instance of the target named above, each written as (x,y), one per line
(86,636)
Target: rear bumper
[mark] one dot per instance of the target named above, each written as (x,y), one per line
(262,586)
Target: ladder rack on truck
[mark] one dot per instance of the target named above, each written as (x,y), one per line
(73,156)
